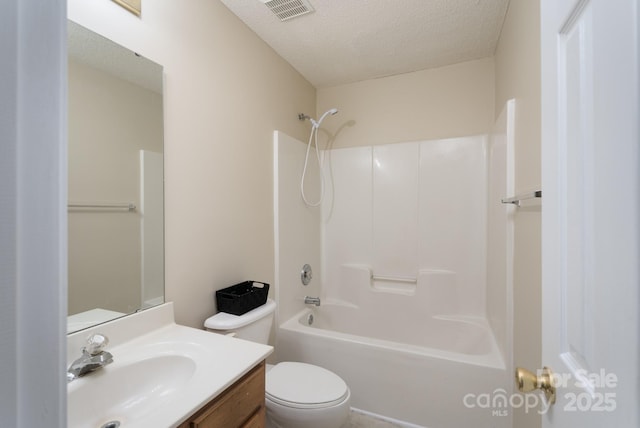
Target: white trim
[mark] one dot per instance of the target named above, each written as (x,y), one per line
(395,422)
(33,191)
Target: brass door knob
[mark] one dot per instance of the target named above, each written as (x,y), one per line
(527,381)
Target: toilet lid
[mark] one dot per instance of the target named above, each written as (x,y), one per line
(304,385)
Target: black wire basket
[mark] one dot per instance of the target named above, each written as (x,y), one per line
(243,297)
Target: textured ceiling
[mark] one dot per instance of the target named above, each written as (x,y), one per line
(345,41)
(99,52)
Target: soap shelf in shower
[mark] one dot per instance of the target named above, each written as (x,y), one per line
(394,279)
(394,284)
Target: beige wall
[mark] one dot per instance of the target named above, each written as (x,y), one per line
(225,93)
(110,121)
(517,62)
(452,101)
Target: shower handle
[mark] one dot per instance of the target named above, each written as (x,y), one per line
(306,274)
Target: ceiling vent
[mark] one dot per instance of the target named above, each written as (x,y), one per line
(288,9)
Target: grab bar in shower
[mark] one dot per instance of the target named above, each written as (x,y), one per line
(128,206)
(517,199)
(394,279)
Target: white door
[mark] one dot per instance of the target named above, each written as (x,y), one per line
(591,211)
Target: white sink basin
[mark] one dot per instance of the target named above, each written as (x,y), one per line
(161,374)
(127,392)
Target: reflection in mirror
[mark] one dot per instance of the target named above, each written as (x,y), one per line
(116,218)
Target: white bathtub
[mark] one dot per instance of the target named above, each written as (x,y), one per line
(419,379)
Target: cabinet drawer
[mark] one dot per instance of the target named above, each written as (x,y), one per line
(237,406)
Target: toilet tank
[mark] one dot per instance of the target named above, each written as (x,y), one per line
(255,325)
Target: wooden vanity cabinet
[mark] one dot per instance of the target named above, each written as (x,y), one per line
(239,406)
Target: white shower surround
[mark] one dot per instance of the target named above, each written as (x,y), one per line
(408,211)
(409,376)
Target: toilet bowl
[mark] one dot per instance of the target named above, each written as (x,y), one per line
(304,395)
(296,394)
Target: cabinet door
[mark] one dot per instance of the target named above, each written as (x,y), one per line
(257,420)
(241,405)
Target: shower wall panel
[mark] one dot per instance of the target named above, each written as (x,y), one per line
(297,226)
(408,211)
(347,208)
(395,210)
(500,228)
(452,205)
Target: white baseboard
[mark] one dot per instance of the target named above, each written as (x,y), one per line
(403,424)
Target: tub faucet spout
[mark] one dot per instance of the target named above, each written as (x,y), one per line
(312,300)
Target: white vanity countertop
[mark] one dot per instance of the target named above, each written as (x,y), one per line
(162,372)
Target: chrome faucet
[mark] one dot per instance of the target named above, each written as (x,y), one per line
(93,357)
(311,300)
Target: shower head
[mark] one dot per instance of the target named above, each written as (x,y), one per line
(331,112)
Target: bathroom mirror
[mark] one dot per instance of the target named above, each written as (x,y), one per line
(116,196)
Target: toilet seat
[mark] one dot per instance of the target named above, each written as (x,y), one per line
(304,386)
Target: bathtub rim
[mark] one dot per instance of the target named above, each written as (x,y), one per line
(493,359)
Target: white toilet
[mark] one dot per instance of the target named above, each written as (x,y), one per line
(297,394)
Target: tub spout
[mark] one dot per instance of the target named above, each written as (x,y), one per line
(312,300)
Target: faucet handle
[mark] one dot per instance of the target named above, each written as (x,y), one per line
(96,343)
